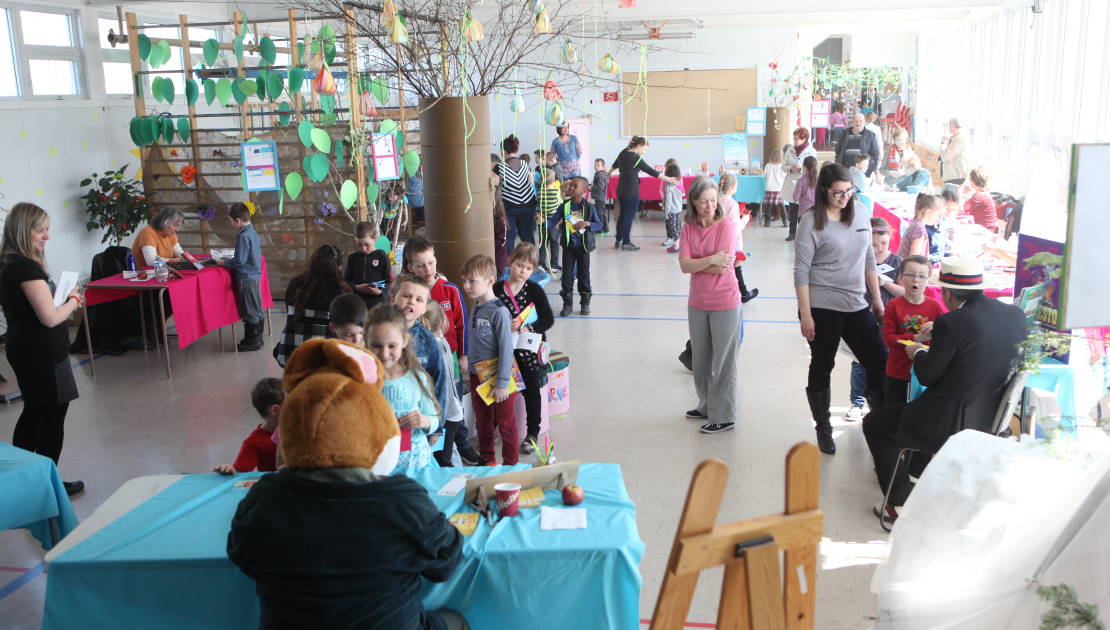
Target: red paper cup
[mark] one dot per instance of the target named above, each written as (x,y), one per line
(508,498)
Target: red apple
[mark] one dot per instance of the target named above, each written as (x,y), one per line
(573,494)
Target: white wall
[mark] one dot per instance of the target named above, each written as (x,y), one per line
(869,50)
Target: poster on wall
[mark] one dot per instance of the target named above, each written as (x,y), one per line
(259,164)
(1035,293)
(385,157)
(756,121)
(819,113)
(735,149)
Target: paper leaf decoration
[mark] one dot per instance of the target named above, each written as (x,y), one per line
(551,92)
(267,50)
(348,194)
(159,53)
(327,103)
(568,53)
(411,162)
(608,64)
(326,34)
(211,51)
(144,47)
(387,126)
(274,85)
(237,45)
(324,83)
(223,91)
(191,92)
(156,89)
(472,29)
(321,140)
(209,90)
(284,112)
(517,105)
(168,129)
(304,132)
(398,32)
(379,87)
(296,80)
(135,129)
(372,192)
(554,115)
(543,24)
(293,185)
(184,129)
(340,150)
(260,85)
(316,166)
(151,129)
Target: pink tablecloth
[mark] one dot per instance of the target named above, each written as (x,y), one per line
(895,222)
(202,301)
(651,189)
(934,292)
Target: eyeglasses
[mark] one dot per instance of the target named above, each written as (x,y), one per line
(840,194)
(915,276)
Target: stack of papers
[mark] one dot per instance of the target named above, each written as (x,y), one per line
(487,373)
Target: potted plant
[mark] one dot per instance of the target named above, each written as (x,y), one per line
(115,204)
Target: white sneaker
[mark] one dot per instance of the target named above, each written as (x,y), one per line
(668,242)
(855,414)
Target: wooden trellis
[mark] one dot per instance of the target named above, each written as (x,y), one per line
(218,184)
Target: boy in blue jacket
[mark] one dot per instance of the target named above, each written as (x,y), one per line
(246,272)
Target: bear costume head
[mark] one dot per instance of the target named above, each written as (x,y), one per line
(334,414)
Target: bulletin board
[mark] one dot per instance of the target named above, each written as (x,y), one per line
(688,102)
(1084,301)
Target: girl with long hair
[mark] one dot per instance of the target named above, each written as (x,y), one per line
(307,299)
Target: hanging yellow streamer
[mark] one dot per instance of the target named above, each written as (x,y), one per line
(641,85)
(466,133)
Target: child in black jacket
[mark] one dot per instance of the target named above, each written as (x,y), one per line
(574,225)
(367,269)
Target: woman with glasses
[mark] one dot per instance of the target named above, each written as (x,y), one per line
(834,275)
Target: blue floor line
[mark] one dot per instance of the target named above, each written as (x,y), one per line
(18,583)
(671,295)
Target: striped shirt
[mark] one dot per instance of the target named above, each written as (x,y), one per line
(516,183)
(550,198)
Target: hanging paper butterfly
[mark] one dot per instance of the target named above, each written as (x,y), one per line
(551,91)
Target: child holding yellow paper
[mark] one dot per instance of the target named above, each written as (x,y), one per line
(531,313)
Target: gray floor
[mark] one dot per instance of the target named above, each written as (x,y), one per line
(628,398)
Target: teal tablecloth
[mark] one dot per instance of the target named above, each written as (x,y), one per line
(31,493)
(164,564)
(750,189)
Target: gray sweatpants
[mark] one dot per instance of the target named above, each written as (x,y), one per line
(248,297)
(715,341)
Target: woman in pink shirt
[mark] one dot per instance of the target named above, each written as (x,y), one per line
(707,252)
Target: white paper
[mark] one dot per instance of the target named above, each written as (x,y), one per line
(562,518)
(528,341)
(455,485)
(66,283)
(884,268)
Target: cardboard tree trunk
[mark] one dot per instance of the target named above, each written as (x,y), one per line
(457,233)
(778,130)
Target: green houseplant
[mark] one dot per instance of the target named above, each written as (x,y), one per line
(115,204)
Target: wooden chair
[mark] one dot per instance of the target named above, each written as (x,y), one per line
(753,593)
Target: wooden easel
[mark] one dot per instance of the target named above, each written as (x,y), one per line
(753,593)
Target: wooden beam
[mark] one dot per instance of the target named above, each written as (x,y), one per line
(718,546)
(140,101)
(803,490)
(187,59)
(353,113)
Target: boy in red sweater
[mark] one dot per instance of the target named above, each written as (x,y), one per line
(911,318)
(259,452)
(420,259)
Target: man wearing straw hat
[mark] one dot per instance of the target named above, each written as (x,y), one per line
(972,355)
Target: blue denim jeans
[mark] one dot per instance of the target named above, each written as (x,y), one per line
(859,385)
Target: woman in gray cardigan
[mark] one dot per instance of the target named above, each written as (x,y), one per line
(834,272)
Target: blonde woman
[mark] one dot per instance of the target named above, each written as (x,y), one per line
(38,340)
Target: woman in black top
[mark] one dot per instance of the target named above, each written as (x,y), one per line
(38,341)
(307,300)
(518,194)
(628,163)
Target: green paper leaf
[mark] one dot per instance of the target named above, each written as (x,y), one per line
(274,85)
(156,89)
(328,119)
(250,88)
(327,103)
(209,90)
(135,129)
(238,46)
(159,53)
(348,194)
(223,91)
(379,87)
(293,184)
(339,153)
(267,50)
(400,140)
(237,90)
(329,52)
(304,132)
(167,91)
(316,166)
(411,162)
(284,109)
(184,129)
(151,129)
(191,92)
(321,140)
(372,192)
(211,51)
(296,80)
(327,33)
(260,86)
(387,126)
(144,47)
(168,130)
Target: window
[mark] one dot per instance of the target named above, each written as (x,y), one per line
(42,56)
(116,61)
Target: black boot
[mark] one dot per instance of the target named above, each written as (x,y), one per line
(253,339)
(568,307)
(585,302)
(819,407)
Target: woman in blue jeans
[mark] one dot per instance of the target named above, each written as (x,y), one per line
(517,193)
(629,162)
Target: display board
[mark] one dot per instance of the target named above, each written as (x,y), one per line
(687,102)
(1084,300)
